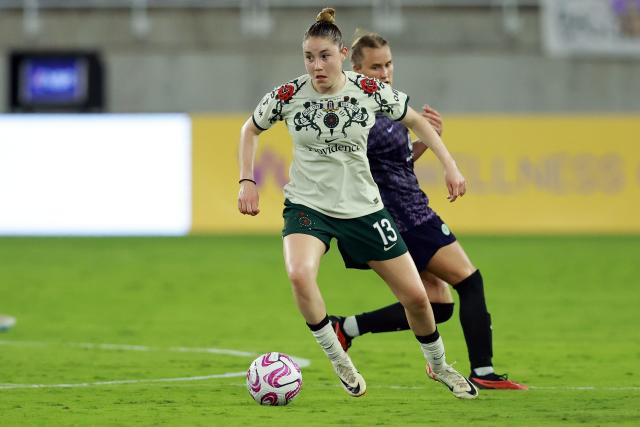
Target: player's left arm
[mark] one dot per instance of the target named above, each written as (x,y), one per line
(456,184)
(435,119)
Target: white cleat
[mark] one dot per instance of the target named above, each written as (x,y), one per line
(460,386)
(351,380)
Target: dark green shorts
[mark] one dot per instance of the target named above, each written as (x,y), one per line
(372,237)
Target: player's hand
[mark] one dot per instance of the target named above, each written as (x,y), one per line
(434,118)
(456,184)
(248,198)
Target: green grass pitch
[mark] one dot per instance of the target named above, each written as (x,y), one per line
(565,319)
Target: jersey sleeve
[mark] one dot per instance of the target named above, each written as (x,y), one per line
(264,115)
(395,103)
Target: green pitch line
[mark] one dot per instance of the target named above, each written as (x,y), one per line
(127,347)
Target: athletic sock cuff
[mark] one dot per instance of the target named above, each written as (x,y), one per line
(324,322)
(428,339)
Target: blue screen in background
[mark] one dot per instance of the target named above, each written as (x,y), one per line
(53,80)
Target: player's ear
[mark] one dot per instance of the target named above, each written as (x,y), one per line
(344,52)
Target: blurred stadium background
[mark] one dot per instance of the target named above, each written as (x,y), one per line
(540,100)
(121,118)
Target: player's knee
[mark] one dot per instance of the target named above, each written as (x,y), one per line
(300,273)
(417,303)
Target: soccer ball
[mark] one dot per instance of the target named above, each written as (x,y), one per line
(274,379)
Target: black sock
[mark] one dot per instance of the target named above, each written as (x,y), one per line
(475,320)
(320,325)
(386,319)
(393,318)
(442,311)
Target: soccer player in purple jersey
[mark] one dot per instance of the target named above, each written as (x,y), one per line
(437,254)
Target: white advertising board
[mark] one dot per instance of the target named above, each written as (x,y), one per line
(95,174)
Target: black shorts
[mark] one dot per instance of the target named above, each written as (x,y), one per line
(424,240)
(372,237)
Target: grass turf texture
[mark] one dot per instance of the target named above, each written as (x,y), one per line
(564,316)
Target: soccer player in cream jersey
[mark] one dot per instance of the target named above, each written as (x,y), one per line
(438,256)
(331,194)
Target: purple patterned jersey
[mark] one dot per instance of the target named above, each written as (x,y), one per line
(391,162)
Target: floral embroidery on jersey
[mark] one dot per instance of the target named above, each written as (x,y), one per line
(354,113)
(372,87)
(307,118)
(369,86)
(286,92)
(315,112)
(283,94)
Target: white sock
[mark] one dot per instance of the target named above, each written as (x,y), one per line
(350,327)
(483,370)
(434,353)
(328,340)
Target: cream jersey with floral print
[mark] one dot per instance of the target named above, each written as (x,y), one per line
(330,170)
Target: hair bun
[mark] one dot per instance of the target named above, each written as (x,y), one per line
(328,14)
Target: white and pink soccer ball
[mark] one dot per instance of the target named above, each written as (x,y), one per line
(274,379)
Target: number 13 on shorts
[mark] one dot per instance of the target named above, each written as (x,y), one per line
(386,231)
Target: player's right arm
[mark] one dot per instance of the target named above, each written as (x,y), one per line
(248,197)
